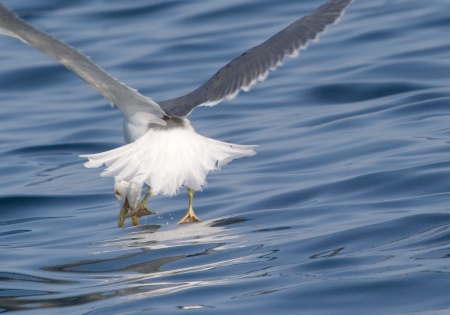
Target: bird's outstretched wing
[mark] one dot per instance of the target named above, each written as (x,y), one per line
(254,64)
(136,108)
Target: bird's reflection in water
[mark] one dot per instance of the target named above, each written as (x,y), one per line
(153,261)
(154,237)
(153,247)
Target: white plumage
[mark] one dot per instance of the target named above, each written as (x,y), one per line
(163,150)
(168,157)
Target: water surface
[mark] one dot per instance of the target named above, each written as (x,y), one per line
(344,210)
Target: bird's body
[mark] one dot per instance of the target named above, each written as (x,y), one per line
(163,150)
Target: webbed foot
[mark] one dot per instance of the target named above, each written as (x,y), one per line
(190,216)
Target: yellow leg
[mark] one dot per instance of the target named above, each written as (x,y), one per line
(123,213)
(143,202)
(190,216)
(141,209)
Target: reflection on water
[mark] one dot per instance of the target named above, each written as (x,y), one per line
(198,263)
(344,210)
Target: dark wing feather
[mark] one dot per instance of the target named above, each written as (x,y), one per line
(254,65)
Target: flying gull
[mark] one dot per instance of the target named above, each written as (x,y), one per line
(162,149)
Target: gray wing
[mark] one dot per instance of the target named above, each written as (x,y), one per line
(136,108)
(254,64)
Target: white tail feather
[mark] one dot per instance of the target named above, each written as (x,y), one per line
(168,158)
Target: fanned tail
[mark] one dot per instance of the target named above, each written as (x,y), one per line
(167,160)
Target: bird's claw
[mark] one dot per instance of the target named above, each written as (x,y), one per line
(140,211)
(190,217)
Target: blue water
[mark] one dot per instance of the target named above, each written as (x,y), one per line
(344,210)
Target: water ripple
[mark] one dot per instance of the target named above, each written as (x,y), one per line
(344,210)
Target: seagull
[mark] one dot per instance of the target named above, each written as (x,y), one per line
(162,149)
